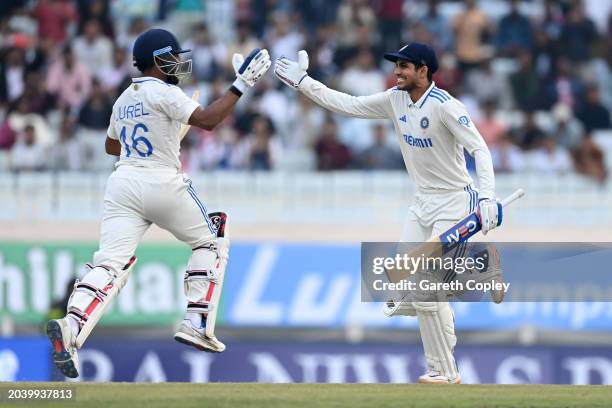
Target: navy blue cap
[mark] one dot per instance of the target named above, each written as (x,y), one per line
(417,53)
(154,42)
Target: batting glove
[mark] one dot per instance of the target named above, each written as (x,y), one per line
(249,70)
(291,72)
(490,213)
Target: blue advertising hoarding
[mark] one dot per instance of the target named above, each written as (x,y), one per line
(299,285)
(267,285)
(147,360)
(24,359)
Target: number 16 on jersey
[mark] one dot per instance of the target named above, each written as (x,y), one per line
(140,144)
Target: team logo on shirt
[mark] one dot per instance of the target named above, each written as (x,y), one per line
(403,118)
(424,122)
(464,120)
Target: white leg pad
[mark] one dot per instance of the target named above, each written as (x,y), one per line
(92,295)
(437,326)
(204,277)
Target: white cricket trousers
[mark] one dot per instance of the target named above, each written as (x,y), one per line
(137,197)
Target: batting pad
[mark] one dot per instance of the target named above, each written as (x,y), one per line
(437,326)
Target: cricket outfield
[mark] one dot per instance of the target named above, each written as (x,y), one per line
(252,395)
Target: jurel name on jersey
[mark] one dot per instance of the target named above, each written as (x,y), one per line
(130,111)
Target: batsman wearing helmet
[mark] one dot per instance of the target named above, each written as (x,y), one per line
(148,187)
(433,129)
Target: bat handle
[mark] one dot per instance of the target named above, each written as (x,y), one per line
(513,197)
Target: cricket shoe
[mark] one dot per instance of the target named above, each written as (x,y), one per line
(434,377)
(187,334)
(399,308)
(64,349)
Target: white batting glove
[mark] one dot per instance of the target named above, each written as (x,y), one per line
(489,213)
(291,72)
(249,70)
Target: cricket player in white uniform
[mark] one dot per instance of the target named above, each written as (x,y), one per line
(148,187)
(432,128)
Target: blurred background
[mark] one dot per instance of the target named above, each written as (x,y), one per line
(303,187)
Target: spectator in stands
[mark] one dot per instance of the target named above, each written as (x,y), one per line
(7,135)
(244,43)
(125,38)
(472,30)
(27,153)
(589,159)
(390,15)
(208,56)
(546,36)
(551,21)
(491,128)
(96,111)
(67,154)
(35,96)
(218,150)
(12,76)
(20,117)
(593,114)
(115,74)
(380,155)
(446,77)
(93,49)
(69,81)
(530,135)
(362,77)
(578,34)
(497,86)
(284,39)
(526,84)
(304,137)
(322,53)
(437,26)
(331,153)
(275,104)
(264,147)
(565,86)
(514,32)
(317,13)
(550,158)
(97,10)
(601,75)
(352,15)
(567,130)
(93,120)
(507,157)
(55,18)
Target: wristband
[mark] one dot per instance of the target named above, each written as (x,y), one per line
(240,86)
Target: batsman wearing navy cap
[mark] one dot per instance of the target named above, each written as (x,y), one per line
(148,187)
(433,129)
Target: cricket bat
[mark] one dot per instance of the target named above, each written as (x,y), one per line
(449,239)
(185,128)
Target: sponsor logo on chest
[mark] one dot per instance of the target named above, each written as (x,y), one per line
(424,142)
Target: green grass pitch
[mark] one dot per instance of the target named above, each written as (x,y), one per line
(218,395)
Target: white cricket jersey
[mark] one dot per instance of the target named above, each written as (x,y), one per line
(147,119)
(432,132)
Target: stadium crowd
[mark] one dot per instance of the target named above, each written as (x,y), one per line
(536,77)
